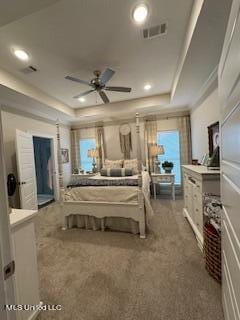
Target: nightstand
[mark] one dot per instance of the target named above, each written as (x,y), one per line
(164,178)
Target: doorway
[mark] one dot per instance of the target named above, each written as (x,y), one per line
(44,170)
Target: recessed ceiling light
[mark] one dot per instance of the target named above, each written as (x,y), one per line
(147,87)
(21,54)
(140,13)
(82,99)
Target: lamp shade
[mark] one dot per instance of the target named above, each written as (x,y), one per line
(92,153)
(157,150)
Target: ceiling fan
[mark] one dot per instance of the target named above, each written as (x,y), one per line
(99,84)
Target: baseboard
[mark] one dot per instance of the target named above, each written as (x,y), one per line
(198,235)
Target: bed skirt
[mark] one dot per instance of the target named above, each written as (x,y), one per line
(111,223)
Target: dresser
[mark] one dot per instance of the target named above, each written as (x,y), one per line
(197,181)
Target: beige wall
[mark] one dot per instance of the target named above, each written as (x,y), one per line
(113,150)
(201,117)
(112,142)
(12,121)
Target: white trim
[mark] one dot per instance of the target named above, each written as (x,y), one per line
(230,164)
(228,280)
(10,81)
(228,273)
(233,185)
(13,110)
(196,9)
(207,88)
(20,134)
(232,230)
(7,290)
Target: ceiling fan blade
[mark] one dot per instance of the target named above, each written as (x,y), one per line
(120,89)
(103,96)
(77,80)
(106,75)
(83,94)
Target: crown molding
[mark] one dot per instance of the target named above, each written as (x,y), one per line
(10,81)
(207,88)
(142,117)
(193,19)
(25,114)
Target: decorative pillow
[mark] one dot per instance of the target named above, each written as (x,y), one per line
(131,164)
(112,164)
(116,172)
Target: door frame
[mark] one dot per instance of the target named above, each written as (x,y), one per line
(54,159)
(7,287)
(19,135)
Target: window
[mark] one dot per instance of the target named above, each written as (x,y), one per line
(85,145)
(170,141)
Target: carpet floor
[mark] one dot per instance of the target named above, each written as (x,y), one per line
(98,275)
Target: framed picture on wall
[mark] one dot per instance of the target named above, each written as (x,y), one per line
(65,155)
(213,137)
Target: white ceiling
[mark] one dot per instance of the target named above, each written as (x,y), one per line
(12,10)
(75,37)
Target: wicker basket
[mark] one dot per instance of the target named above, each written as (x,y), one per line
(212,251)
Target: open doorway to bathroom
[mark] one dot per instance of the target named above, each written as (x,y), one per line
(44,170)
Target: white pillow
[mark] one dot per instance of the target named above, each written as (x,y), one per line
(113,164)
(131,164)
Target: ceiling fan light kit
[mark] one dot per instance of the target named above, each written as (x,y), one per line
(99,84)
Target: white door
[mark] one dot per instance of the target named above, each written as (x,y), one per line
(26,170)
(229,92)
(6,285)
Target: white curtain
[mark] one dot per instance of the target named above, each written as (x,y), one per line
(100,145)
(75,149)
(184,127)
(150,140)
(182,124)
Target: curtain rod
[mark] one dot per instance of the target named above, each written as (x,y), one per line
(159,117)
(133,120)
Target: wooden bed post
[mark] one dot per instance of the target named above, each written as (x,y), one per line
(60,177)
(140,193)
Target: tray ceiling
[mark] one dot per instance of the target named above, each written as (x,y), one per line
(75,37)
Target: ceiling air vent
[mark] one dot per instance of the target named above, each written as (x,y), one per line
(155,31)
(28,70)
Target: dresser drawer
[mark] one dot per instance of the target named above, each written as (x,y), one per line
(197,196)
(198,215)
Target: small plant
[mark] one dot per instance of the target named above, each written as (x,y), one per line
(167,166)
(75,171)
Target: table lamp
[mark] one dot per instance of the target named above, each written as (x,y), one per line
(155,151)
(93,153)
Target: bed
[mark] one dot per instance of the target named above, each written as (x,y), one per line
(99,202)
